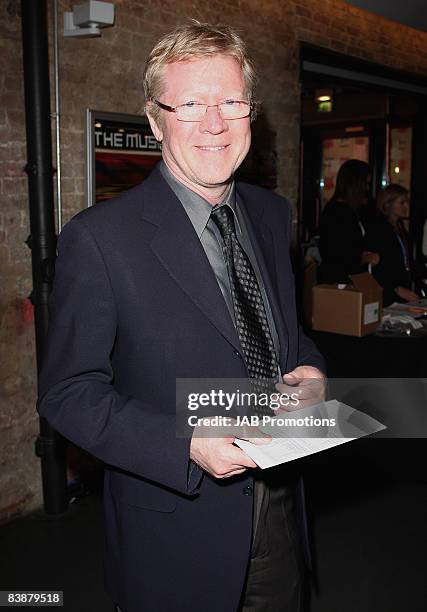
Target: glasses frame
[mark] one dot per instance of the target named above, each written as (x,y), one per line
(173,109)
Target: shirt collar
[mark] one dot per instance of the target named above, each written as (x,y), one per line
(197,208)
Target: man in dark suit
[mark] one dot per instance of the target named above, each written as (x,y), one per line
(185,276)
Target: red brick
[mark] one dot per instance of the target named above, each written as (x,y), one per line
(11,169)
(14,185)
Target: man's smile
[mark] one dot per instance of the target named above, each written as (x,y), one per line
(211,148)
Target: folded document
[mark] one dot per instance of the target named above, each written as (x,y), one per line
(311,430)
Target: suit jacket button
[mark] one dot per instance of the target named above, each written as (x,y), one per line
(237,354)
(248,490)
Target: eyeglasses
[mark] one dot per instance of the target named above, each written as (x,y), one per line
(194,111)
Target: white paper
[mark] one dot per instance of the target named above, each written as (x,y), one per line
(290,443)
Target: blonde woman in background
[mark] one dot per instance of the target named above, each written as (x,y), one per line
(388,237)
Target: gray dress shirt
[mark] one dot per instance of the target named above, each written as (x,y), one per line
(199,211)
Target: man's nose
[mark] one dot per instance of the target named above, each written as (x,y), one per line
(213,122)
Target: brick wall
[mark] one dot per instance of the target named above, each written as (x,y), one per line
(19,470)
(105,74)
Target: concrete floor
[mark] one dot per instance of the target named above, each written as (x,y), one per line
(369,525)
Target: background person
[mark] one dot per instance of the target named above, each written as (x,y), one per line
(341,229)
(388,237)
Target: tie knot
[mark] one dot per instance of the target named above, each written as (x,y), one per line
(224,219)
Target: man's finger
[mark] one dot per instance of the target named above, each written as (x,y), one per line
(292,379)
(235,473)
(239,458)
(303,392)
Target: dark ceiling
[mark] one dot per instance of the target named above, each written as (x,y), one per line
(412,13)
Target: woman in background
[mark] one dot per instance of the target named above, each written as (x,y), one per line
(341,231)
(389,238)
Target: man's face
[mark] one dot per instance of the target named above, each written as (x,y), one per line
(203,155)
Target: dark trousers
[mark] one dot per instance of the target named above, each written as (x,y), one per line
(274,580)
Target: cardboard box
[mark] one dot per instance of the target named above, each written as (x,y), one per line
(353,310)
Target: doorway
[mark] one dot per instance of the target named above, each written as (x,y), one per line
(352,109)
(379,120)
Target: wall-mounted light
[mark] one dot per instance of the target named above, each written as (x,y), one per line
(324,100)
(87,19)
(396,169)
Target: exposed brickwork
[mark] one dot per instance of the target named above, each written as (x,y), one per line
(19,469)
(105,74)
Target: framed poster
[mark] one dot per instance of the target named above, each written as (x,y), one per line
(121,152)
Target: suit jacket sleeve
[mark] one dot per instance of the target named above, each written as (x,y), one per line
(77,394)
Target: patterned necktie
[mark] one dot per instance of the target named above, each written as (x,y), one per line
(251,319)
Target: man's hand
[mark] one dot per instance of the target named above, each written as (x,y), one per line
(308,382)
(219,456)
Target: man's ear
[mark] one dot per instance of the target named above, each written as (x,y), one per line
(157,131)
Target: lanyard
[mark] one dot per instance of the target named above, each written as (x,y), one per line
(404,251)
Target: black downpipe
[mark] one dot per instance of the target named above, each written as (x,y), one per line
(50,446)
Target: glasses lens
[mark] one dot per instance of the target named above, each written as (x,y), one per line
(234,109)
(191,112)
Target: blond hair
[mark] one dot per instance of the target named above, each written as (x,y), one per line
(191,41)
(388,195)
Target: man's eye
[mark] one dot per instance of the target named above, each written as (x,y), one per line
(190,104)
(231,102)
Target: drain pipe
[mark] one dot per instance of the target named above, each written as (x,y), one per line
(57,116)
(50,446)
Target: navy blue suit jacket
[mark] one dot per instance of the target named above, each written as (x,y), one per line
(136,305)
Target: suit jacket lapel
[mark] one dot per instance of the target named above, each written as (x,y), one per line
(262,239)
(179,250)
